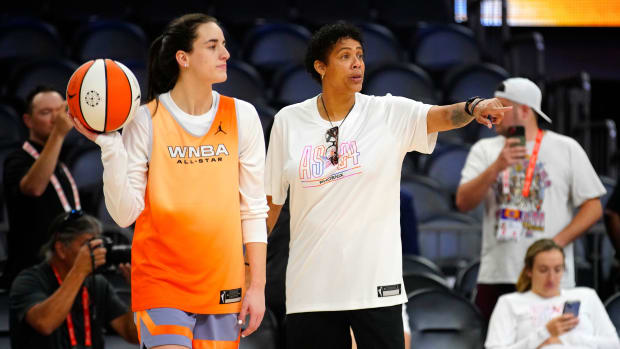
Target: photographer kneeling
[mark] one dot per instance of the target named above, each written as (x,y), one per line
(542,315)
(60,303)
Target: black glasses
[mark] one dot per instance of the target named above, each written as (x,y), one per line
(331,137)
(68,218)
(73,215)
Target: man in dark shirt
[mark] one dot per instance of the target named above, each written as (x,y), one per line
(29,177)
(57,303)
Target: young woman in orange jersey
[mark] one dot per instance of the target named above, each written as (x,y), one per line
(189,171)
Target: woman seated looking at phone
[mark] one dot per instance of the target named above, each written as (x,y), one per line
(541,315)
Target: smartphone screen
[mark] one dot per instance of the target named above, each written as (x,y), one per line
(571,307)
(517,132)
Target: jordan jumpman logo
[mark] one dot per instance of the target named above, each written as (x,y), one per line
(219,129)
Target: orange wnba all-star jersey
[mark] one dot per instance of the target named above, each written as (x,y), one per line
(187,249)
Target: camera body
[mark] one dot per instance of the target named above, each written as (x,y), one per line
(115,253)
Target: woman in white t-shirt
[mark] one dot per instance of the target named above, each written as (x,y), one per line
(534,316)
(340,154)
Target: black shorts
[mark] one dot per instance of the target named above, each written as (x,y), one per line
(373,328)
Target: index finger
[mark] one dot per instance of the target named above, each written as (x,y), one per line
(95,242)
(242,314)
(497,111)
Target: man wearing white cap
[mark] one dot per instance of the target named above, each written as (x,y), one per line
(529,192)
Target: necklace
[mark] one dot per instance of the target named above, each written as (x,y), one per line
(327,113)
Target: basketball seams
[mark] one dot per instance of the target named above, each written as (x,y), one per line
(107,94)
(130,91)
(93,98)
(80,96)
(79,75)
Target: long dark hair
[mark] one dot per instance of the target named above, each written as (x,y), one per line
(163,67)
(524,283)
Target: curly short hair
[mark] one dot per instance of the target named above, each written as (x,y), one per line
(324,40)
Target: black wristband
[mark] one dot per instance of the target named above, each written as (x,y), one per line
(473,105)
(468,103)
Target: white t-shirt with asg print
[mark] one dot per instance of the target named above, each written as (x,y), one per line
(345,247)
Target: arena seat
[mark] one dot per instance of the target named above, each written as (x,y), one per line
(140,71)
(243,82)
(428,196)
(415,281)
(445,166)
(441,319)
(24,8)
(266,114)
(29,37)
(74,12)
(292,85)
(467,279)
(269,47)
(12,129)
(380,45)
(407,14)
(53,72)
(5,150)
(243,12)
(463,82)
(401,79)
(113,39)
(439,47)
(485,132)
(524,55)
(419,264)
(612,305)
(451,240)
(4,312)
(154,15)
(320,12)
(86,168)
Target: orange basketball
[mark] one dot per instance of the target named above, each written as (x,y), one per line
(103,94)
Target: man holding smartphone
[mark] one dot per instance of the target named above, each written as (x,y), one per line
(530,180)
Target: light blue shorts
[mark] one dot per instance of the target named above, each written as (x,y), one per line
(166,326)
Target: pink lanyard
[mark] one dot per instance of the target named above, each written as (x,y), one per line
(55,183)
(70,327)
(529,173)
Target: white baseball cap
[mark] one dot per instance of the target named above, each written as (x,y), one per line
(522,91)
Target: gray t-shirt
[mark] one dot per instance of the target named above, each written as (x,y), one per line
(37,283)
(563,180)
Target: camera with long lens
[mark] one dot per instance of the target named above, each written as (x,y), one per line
(115,253)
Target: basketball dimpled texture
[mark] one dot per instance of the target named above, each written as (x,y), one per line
(103,95)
